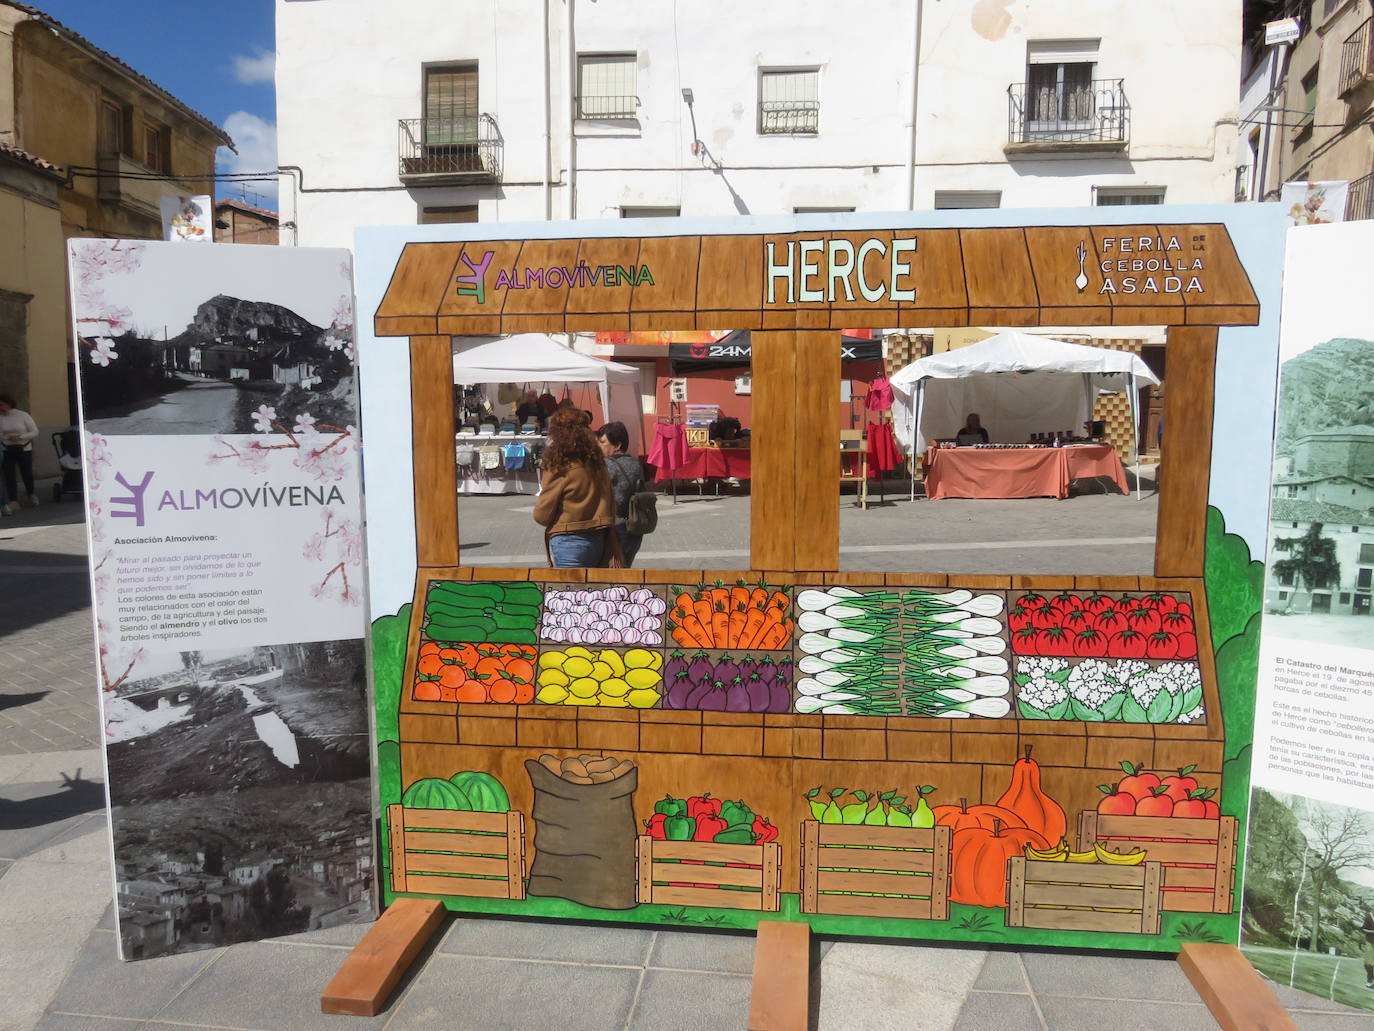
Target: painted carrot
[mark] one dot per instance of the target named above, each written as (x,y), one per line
(720,625)
(737,621)
(682,637)
(697,630)
(702,608)
(776,636)
(754,622)
(779,601)
(739,599)
(758,597)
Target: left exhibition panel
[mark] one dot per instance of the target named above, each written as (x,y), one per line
(221,455)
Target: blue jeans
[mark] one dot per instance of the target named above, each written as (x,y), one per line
(18,464)
(577,550)
(629,543)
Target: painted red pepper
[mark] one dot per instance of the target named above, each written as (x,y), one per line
(703,805)
(764,831)
(708,827)
(655,828)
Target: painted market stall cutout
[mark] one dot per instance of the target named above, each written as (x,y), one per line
(892,754)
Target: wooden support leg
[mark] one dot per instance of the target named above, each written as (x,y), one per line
(1237,996)
(780,1000)
(380,960)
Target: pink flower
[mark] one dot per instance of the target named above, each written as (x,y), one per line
(102,351)
(305,423)
(263,418)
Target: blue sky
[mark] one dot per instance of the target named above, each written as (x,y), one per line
(215,58)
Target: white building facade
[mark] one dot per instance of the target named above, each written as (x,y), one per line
(527,110)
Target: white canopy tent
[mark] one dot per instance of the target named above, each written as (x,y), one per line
(537,358)
(1018,383)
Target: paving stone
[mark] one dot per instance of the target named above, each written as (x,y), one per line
(342,936)
(895,987)
(1117,977)
(103,985)
(1002,972)
(77,1022)
(512,995)
(570,943)
(267,986)
(1003,1011)
(724,953)
(1066,1014)
(671,1000)
(1355,1020)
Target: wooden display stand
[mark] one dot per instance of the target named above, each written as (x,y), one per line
(972,276)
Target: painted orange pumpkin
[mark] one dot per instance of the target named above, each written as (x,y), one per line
(978,872)
(966,817)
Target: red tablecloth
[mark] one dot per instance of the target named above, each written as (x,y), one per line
(709,461)
(1017,472)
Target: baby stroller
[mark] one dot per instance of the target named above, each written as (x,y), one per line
(67,444)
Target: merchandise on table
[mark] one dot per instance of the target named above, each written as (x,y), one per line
(608,678)
(740,617)
(466,672)
(1151,626)
(482,611)
(1109,690)
(724,683)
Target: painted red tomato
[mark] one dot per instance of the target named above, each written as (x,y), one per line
(1078,619)
(1176,622)
(1023,640)
(1053,641)
(1031,600)
(1127,604)
(1066,601)
(1162,645)
(1045,618)
(1184,607)
(1090,643)
(1127,644)
(1110,621)
(1018,617)
(1144,620)
(1097,602)
(1187,645)
(1159,601)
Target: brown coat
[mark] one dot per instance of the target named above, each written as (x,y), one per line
(575,501)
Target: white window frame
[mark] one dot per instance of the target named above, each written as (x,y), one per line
(607,85)
(1136,192)
(1060,53)
(955,200)
(794,93)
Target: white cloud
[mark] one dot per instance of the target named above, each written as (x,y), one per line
(256,69)
(256,140)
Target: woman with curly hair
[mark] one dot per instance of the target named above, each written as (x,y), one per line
(576,505)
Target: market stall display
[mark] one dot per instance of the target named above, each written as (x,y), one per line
(1025,472)
(1019,383)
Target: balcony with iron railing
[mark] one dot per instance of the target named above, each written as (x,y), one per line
(455,151)
(789,117)
(1357,60)
(1359,201)
(1092,115)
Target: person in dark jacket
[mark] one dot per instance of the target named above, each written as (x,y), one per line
(627,479)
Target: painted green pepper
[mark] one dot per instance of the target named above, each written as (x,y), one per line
(737,834)
(670,806)
(680,828)
(736,812)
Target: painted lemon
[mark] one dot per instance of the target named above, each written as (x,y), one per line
(576,666)
(643,678)
(552,695)
(643,698)
(609,702)
(580,652)
(613,660)
(551,660)
(601,671)
(585,687)
(639,658)
(554,677)
(615,687)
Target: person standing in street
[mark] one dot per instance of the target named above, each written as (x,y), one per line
(17,434)
(627,480)
(576,506)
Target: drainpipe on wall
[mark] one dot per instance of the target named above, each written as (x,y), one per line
(548,121)
(915,79)
(572,112)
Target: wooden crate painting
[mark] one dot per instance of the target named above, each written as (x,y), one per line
(703,873)
(1083,896)
(1198,855)
(441,852)
(707,687)
(875,871)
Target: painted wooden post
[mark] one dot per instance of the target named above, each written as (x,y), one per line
(1186,451)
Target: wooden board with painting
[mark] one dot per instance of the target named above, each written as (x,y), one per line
(920,756)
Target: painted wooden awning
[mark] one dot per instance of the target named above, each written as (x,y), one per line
(1170,275)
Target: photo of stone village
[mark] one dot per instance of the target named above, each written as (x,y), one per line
(1322,516)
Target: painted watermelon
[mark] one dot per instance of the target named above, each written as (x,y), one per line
(484,791)
(435,793)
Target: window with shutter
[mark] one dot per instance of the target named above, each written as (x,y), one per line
(451,104)
(789,101)
(606,86)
